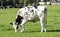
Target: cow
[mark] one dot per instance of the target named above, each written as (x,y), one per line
(30,14)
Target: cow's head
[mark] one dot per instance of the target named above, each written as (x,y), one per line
(17,21)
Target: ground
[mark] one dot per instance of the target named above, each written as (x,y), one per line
(31,29)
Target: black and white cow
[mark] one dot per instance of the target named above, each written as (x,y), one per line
(31,14)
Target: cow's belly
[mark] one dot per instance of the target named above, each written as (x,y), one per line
(33,19)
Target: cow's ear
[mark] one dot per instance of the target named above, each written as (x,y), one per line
(11,23)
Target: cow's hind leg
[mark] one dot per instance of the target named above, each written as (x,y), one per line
(43,24)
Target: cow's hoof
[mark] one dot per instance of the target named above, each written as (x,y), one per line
(22,31)
(15,31)
(45,30)
(42,31)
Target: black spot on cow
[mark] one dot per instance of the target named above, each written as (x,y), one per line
(17,27)
(28,8)
(32,10)
(35,5)
(18,20)
(26,13)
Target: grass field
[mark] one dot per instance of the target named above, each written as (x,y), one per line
(31,29)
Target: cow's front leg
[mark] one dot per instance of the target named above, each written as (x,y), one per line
(22,24)
(15,27)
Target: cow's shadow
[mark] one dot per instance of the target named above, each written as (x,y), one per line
(46,31)
(29,31)
(53,30)
(40,31)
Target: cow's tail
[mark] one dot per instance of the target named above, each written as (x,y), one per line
(45,11)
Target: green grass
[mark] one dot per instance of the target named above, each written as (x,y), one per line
(31,29)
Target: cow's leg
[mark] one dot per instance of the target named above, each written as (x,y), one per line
(22,24)
(43,24)
(15,27)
